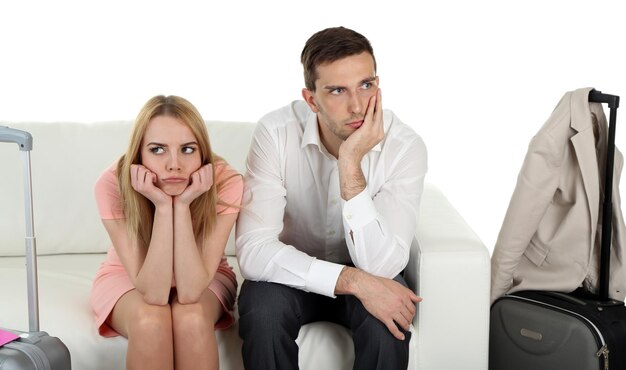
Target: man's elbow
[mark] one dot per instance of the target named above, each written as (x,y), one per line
(249,262)
(388,268)
(250,272)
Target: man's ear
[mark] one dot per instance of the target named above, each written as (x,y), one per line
(309,98)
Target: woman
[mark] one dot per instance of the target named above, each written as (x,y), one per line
(168,205)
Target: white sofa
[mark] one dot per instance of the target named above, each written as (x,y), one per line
(449,265)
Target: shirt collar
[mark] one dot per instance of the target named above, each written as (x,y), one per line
(311,133)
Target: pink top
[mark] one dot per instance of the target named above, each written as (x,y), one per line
(108,197)
(112,281)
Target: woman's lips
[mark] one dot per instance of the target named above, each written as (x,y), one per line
(174,180)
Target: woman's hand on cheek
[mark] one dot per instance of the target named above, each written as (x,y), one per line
(143,181)
(200,182)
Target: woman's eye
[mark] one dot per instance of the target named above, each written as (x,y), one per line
(157,150)
(188,150)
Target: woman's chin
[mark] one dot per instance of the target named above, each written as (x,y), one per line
(174,190)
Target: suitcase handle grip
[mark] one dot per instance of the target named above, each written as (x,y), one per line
(22,138)
(599,97)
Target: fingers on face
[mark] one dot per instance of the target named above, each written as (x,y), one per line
(371,107)
(134,174)
(379,107)
(133,171)
(140,175)
(374,113)
(144,176)
(205,174)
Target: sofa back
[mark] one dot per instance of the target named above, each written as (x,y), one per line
(67,159)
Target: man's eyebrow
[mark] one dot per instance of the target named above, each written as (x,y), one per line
(369,79)
(334,87)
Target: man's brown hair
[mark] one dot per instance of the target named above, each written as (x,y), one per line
(329,45)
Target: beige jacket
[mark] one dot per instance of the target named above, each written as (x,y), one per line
(550,237)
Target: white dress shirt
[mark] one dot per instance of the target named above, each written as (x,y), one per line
(294,228)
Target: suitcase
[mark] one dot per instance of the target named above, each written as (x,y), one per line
(34,349)
(550,330)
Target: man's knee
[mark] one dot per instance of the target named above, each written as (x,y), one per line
(267,307)
(376,348)
(372,337)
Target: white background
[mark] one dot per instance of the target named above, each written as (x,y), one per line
(475,78)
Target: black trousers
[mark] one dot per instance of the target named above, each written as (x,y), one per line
(270,317)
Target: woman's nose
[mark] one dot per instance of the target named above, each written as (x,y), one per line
(173,164)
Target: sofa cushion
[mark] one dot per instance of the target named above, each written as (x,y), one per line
(64,288)
(66,218)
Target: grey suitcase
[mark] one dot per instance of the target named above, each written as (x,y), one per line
(546,330)
(533,330)
(34,350)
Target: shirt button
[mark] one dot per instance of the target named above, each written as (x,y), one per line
(348,216)
(331,232)
(333,202)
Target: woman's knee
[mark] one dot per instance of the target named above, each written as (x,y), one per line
(192,319)
(151,321)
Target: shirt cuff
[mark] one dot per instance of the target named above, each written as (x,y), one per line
(359,211)
(322,277)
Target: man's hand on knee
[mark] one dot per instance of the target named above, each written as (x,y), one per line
(389,301)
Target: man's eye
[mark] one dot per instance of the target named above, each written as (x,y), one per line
(157,150)
(366,85)
(188,150)
(336,91)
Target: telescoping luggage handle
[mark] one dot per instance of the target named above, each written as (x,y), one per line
(607,206)
(25,142)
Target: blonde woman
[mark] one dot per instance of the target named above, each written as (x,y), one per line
(168,205)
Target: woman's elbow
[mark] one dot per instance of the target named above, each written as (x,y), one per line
(188,297)
(156,299)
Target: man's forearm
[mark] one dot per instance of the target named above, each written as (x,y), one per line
(347,283)
(351,178)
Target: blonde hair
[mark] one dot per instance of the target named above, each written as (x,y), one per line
(138,210)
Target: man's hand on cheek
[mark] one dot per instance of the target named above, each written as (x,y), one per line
(368,135)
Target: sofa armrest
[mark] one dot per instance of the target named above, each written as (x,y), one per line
(449,268)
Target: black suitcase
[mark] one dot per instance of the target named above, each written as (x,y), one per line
(34,349)
(536,330)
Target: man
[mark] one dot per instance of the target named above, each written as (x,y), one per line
(329,212)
